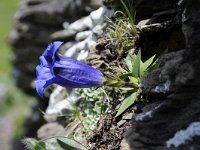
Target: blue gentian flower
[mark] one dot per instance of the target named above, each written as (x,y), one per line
(65,71)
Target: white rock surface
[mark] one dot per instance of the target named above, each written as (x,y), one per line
(144,115)
(164,88)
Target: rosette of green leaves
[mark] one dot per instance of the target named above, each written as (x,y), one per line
(136,70)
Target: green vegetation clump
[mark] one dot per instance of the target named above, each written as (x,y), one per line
(7,9)
(136,70)
(92,106)
(123,35)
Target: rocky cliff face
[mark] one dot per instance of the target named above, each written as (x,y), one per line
(170,118)
(174,122)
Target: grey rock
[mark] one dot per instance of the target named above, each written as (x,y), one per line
(99,16)
(81,24)
(58,11)
(63,35)
(98,29)
(29,33)
(82,35)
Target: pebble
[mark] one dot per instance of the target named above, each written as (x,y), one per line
(121,122)
(128,116)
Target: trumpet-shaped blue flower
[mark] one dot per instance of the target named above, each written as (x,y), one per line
(65,71)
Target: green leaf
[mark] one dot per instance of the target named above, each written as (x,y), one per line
(129,59)
(130,16)
(125,75)
(144,66)
(52,144)
(33,144)
(61,143)
(133,80)
(70,144)
(127,103)
(40,146)
(29,143)
(153,66)
(136,65)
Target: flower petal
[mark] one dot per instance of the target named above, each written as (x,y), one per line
(43,73)
(44,62)
(74,83)
(44,79)
(40,86)
(81,76)
(49,53)
(75,73)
